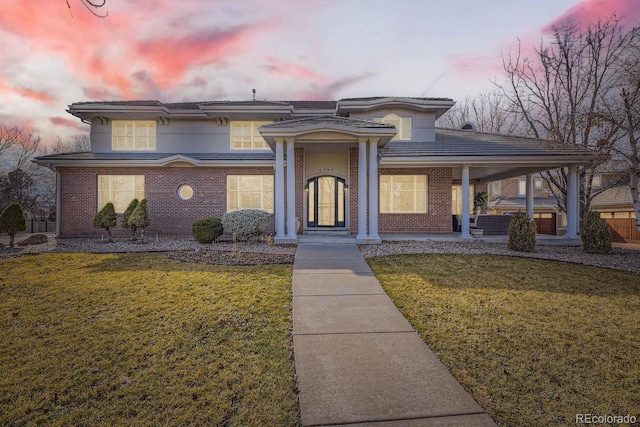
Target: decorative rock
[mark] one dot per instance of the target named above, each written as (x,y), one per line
(34,239)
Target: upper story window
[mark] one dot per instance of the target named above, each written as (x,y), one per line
(596,181)
(522,187)
(245,136)
(133,135)
(402,124)
(538,183)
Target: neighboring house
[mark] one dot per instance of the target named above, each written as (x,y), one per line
(509,196)
(363,166)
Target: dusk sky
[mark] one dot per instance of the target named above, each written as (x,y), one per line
(197,50)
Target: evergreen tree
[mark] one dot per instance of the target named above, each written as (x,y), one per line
(127,214)
(106,219)
(12,220)
(140,218)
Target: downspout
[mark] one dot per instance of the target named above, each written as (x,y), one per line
(58,202)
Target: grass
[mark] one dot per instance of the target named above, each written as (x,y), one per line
(536,342)
(141,340)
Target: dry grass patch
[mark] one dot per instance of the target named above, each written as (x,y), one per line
(536,342)
(142,340)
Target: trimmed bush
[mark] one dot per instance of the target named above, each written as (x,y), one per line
(12,220)
(127,214)
(140,218)
(106,218)
(595,234)
(246,223)
(207,230)
(522,233)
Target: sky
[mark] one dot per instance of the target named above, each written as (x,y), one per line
(55,52)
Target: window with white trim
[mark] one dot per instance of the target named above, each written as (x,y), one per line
(250,192)
(538,183)
(596,181)
(245,135)
(456,198)
(522,187)
(119,190)
(403,193)
(402,124)
(133,135)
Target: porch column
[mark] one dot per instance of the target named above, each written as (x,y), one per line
(529,193)
(373,189)
(578,199)
(465,203)
(291,190)
(362,188)
(572,202)
(279,189)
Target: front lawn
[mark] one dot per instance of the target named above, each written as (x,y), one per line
(141,340)
(536,342)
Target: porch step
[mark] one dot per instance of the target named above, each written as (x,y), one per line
(328,232)
(334,239)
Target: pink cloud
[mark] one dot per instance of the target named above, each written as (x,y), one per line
(468,65)
(72,124)
(590,11)
(289,69)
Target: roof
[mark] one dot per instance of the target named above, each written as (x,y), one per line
(375,98)
(450,142)
(328,120)
(158,159)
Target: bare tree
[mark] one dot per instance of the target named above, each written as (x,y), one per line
(76,144)
(489,112)
(557,91)
(93,7)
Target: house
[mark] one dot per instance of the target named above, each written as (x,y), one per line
(363,166)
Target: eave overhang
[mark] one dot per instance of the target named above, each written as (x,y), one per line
(438,106)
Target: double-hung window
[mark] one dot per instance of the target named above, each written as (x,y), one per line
(402,124)
(133,135)
(119,190)
(245,136)
(403,193)
(250,192)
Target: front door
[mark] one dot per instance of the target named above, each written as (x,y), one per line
(325,202)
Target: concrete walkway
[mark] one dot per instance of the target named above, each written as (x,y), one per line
(358,361)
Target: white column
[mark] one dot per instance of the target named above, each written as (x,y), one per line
(291,191)
(373,189)
(529,194)
(279,189)
(572,198)
(577,201)
(362,188)
(465,203)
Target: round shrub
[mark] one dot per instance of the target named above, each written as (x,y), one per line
(522,233)
(207,230)
(246,223)
(595,234)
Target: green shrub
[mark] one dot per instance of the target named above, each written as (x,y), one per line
(127,214)
(595,234)
(522,233)
(246,223)
(106,218)
(140,218)
(12,220)
(207,230)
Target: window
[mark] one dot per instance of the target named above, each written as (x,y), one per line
(596,181)
(402,124)
(403,193)
(522,188)
(185,192)
(250,192)
(538,183)
(456,198)
(245,136)
(133,135)
(119,190)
